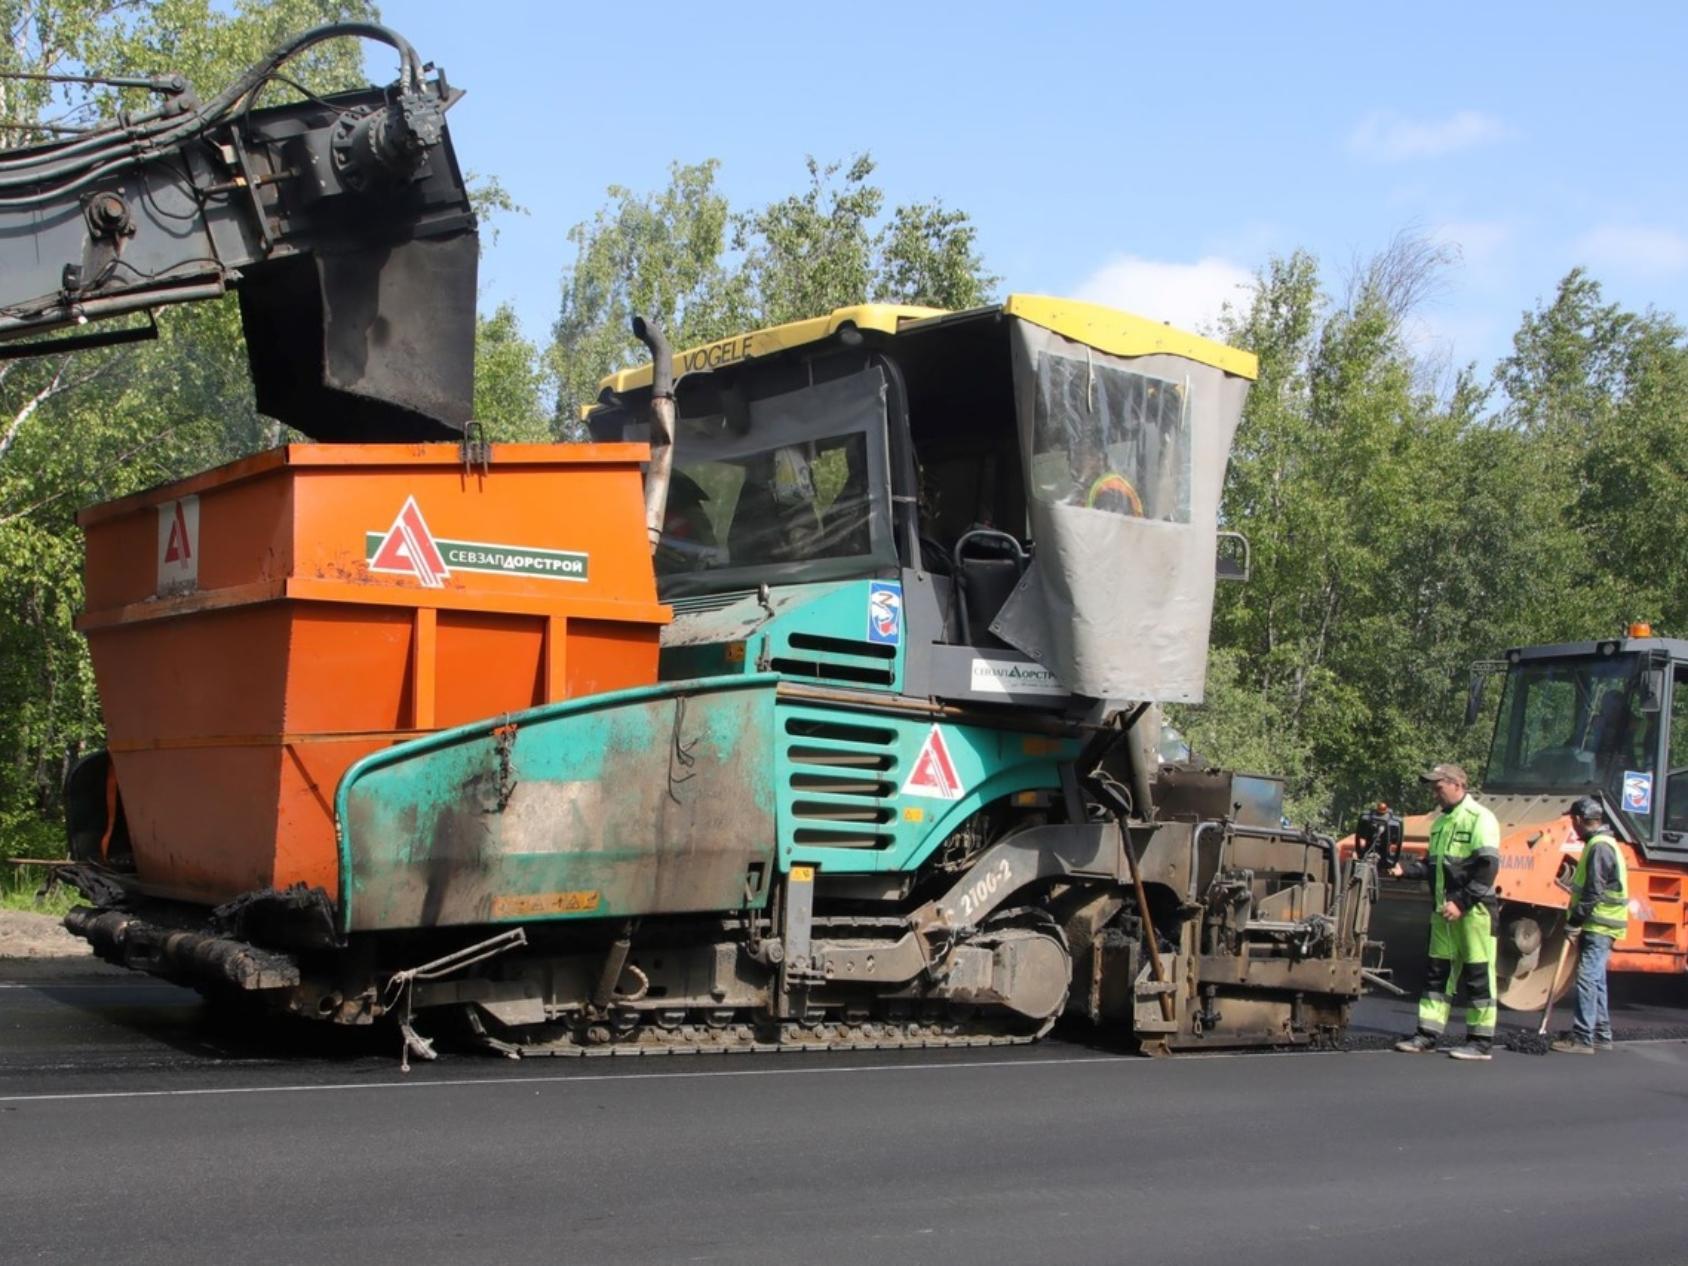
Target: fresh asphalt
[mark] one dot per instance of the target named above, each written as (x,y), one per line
(137,1127)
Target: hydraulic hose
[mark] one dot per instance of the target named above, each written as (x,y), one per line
(89,159)
(105,138)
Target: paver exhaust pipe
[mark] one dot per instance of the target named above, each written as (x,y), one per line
(662,426)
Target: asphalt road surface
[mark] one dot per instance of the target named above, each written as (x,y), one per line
(136,1128)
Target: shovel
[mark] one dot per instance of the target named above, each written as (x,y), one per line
(1558,972)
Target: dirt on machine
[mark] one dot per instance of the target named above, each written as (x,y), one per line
(812,704)
(1605,718)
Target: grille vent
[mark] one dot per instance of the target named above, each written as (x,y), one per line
(838,660)
(842,787)
(698,602)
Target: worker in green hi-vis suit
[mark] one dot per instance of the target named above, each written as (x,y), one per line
(1462,863)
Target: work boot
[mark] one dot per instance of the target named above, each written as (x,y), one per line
(1573,1046)
(1419,1043)
(1476,1048)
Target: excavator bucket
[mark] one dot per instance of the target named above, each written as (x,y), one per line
(358,345)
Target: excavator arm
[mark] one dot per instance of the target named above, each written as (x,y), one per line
(342,222)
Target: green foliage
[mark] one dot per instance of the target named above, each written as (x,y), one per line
(23,892)
(1336,460)
(683,256)
(811,252)
(1401,534)
(211,45)
(1238,726)
(116,423)
(510,376)
(929,256)
(1632,501)
(1601,392)
(31,836)
(656,255)
(509,381)
(489,198)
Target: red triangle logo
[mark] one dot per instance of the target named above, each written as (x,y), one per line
(934,773)
(409,549)
(178,548)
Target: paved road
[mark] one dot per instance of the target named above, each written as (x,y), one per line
(133,1129)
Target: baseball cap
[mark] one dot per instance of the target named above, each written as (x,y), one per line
(1438,772)
(1587,807)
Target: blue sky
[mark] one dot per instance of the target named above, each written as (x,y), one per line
(1148,156)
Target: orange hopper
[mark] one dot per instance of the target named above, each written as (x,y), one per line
(257,628)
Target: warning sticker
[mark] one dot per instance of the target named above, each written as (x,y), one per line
(934,773)
(178,545)
(408,548)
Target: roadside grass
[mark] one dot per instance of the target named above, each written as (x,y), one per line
(19,884)
(23,897)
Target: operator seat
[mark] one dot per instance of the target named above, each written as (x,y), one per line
(986,565)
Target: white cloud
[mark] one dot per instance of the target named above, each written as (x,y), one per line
(1386,137)
(1634,248)
(1189,296)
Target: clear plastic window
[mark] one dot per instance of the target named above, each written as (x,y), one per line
(1676,775)
(1110,439)
(783,504)
(789,488)
(1571,725)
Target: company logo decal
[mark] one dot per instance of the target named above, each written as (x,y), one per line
(408,548)
(1012,676)
(884,612)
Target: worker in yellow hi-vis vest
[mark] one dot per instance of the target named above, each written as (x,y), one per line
(1599,917)
(1462,864)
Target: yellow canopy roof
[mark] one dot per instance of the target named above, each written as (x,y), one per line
(1107,330)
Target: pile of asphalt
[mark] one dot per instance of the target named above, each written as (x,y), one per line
(1369,1040)
(1526,1041)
